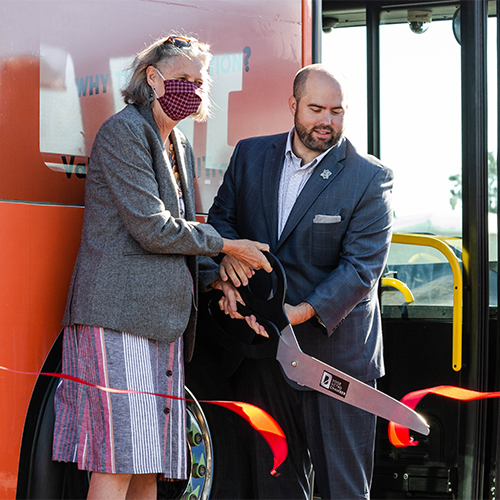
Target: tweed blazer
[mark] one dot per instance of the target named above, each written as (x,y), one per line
(333,247)
(139,262)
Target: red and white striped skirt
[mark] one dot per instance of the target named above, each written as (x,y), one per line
(121,433)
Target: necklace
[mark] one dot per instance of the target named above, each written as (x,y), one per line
(177,177)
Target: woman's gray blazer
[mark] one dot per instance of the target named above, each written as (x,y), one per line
(137,269)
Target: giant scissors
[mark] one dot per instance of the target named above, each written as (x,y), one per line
(308,371)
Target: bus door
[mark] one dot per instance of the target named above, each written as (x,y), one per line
(423,97)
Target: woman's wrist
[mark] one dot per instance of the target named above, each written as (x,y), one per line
(216,284)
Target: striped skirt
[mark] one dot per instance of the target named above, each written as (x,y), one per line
(121,433)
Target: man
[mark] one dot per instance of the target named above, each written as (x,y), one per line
(325,211)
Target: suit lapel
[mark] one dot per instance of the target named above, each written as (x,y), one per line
(181,166)
(271,174)
(324,174)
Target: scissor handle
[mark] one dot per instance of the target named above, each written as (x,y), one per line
(240,338)
(271,309)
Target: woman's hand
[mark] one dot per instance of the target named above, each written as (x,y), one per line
(235,270)
(228,304)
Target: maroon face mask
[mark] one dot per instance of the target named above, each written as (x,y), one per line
(181,99)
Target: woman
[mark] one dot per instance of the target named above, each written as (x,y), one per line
(131,310)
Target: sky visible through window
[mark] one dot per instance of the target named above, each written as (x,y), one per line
(420,114)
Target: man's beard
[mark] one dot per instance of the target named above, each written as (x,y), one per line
(313,143)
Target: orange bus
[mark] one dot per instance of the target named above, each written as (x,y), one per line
(62,65)
(424,98)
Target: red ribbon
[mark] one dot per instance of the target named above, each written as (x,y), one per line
(399,436)
(260,420)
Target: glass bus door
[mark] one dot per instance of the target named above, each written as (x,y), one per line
(423,98)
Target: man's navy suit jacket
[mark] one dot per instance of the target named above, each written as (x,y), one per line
(334,266)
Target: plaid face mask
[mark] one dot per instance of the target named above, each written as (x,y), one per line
(181,99)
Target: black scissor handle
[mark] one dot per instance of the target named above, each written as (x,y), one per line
(271,308)
(239,338)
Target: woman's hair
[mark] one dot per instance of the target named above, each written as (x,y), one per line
(163,52)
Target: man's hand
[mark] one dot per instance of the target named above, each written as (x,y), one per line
(243,257)
(300,313)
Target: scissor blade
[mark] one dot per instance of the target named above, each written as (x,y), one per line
(312,373)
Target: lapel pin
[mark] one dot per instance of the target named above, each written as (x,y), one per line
(325,174)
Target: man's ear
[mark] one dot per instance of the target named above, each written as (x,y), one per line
(292,103)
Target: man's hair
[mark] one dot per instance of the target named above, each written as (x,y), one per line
(163,53)
(300,80)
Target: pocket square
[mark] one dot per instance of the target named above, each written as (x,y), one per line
(326,219)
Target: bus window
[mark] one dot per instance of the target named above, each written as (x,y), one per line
(420,110)
(421,125)
(352,64)
(431,115)
(492,158)
(420,139)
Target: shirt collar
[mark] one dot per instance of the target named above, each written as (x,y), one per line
(289,151)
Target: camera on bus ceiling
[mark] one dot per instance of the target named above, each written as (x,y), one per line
(419,20)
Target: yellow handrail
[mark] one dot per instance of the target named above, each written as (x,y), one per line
(399,285)
(439,244)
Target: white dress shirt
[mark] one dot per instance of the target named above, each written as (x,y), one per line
(293,179)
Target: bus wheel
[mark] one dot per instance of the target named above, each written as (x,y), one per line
(199,483)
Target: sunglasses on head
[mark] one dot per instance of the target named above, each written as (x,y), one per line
(179,41)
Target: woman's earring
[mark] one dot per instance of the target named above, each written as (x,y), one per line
(151,96)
